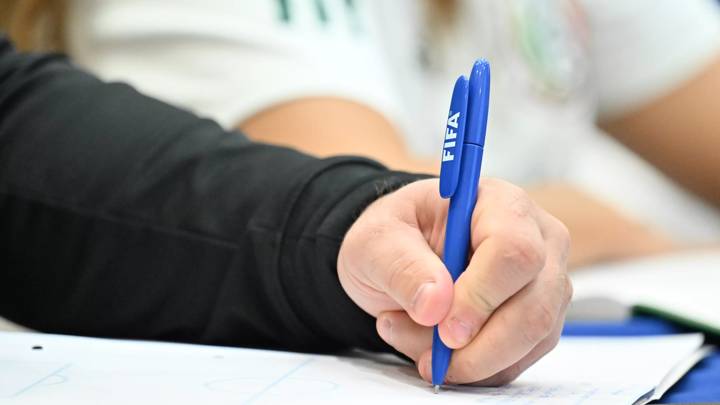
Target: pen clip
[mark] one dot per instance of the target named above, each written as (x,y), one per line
(453,139)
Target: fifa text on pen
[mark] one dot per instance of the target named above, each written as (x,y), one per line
(459,176)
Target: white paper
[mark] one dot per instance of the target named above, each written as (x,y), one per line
(676,374)
(684,284)
(73,370)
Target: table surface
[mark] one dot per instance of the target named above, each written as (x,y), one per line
(700,385)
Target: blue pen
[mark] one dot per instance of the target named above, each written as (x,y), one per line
(459,176)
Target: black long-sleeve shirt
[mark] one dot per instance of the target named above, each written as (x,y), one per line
(122,216)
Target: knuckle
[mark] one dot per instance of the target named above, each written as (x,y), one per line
(523,252)
(492,183)
(539,323)
(564,238)
(479,301)
(403,269)
(560,285)
(563,231)
(506,376)
(567,287)
(465,369)
(377,261)
(552,343)
(520,205)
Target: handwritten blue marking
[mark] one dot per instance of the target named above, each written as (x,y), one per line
(38,382)
(278,381)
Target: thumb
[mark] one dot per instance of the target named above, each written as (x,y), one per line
(413,275)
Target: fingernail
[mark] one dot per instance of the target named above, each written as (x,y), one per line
(460,331)
(422,295)
(386,330)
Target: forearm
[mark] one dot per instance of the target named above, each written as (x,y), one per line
(599,231)
(680,134)
(121,216)
(325,126)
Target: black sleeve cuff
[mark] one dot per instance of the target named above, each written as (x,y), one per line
(321,216)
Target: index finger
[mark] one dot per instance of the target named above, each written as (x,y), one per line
(509,254)
(516,327)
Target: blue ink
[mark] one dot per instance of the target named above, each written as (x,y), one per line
(278,381)
(38,382)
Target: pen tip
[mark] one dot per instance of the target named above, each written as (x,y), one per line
(436,388)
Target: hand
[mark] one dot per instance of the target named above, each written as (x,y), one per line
(505,311)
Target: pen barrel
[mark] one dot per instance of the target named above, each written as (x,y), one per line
(462,204)
(440,358)
(457,242)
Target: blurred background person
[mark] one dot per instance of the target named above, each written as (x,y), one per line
(605,110)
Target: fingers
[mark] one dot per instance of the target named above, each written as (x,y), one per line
(501,315)
(412,275)
(509,374)
(510,252)
(509,304)
(505,376)
(399,331)
(415,341)
(516,328)
(502,265)
(557,239)
(424,365)
(474,364)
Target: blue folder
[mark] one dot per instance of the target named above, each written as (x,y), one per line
(701,384)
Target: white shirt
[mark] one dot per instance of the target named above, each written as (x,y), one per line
(229,59)
(557,65)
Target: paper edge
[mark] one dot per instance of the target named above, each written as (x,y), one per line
(675,374)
